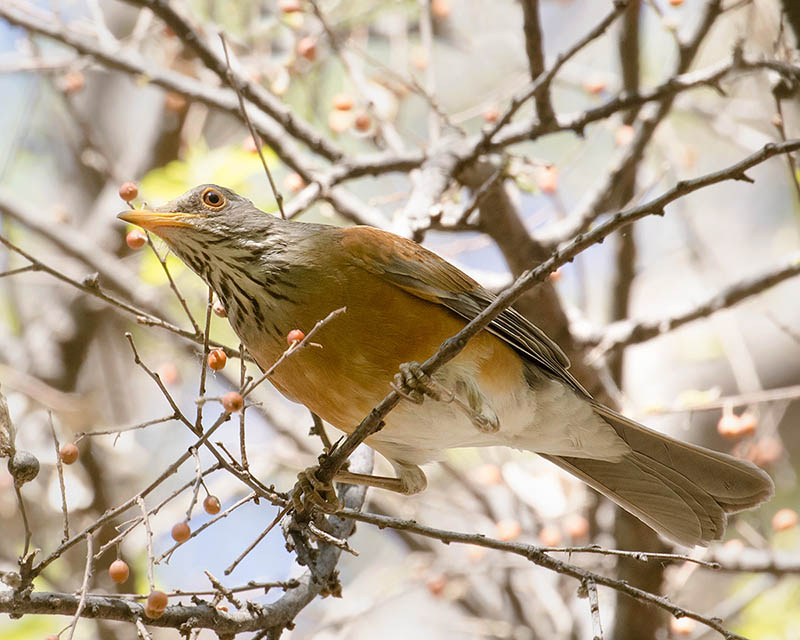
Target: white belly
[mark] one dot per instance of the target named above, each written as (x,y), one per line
(553,419)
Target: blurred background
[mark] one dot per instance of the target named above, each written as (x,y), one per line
(378,80)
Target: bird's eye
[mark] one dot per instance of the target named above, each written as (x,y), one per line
(213,199)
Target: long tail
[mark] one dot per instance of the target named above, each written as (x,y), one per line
(681,490)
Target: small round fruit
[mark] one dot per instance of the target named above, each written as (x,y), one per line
(491,114)
(682,626)
(72,82)
(676,3)
(784,519)
(294,182)
(232,402)
(23,467)
(550,536)
(128,191)
(362,122)
(342,102)
(307,48)
(211,505)
(181,532)
(729,425)
(441,8)
(436,584)
(68,453)
(119,571)
(217,359)
(136,239)
(175,102)
(156,604)
(548,179)
(289,6)
(219,309)
(295,335)
(507,530)
(748,422)
(624,135)
(169,373)
(594,86)
(577,527)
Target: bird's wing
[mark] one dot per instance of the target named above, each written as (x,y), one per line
(422,273)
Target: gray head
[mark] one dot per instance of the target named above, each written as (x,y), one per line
(235,247)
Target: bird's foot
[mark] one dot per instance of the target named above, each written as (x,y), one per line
(310,492)
(414,384)
(478,407)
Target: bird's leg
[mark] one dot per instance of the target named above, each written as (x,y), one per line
(411,479)
(311,492)
(414,384)
(480,410)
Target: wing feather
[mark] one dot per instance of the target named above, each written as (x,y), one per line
(424,274)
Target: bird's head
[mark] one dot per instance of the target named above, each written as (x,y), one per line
(207,211)
(221,236)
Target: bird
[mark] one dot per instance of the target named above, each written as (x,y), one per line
(510,385)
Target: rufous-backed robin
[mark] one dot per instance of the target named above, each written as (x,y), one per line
(509,386)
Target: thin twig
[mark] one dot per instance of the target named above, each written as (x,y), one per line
(87,574)
(234,82)
(60,470)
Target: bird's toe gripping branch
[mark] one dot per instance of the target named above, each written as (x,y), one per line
(310,492)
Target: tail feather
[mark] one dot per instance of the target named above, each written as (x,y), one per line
(681,490)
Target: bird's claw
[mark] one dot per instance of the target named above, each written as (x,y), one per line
(310,492)
(414,384)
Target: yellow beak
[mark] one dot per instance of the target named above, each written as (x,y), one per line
(152,220)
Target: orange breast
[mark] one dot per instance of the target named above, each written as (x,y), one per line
(361,350)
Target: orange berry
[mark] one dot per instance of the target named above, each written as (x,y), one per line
(766,451)
(784,519)
(168,373)
(136,239)
(181,532)
(548,179)
(555,276)
(550,536)
(156,604)
(219,309)
(440,9)
(232,402)
(491,114)
(577,527)
(734,544)
(682,626)
(624,135)
(339,121)
(249,145)
(289,6)
(342,102)
(488,474)
(175,102)
(475,554)
(68,453)
(72,82)
(507,530)
(728,425)
(362,122)
(436,584)
(676,3)
(128,191)
(119,571)
(295,335)
(748,423)
(307,48)
(211,505)
(293,182)
(594,86)
(222,607)
(217,359)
